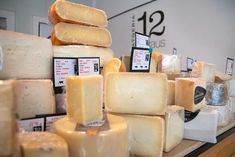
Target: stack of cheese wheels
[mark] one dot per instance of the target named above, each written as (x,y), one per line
(86,129)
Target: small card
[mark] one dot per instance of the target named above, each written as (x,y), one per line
(88,66)
(141,40)
(229,66)
(189,64)
(140,59)
(30,125)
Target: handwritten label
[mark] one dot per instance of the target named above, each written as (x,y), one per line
(30,125)
(88,66)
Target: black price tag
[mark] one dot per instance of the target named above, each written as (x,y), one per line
(88,66)
(189,63)
(141,40)
(199,94)
(33,124)
(229,66)
(188,116)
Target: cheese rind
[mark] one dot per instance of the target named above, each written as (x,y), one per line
(84,98)
(73,34)
(204,70)
(112,141)
(65,11)
(171,93)
(43,144)
(34,97)
(136,93)
(32,54)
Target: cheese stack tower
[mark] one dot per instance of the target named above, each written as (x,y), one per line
(139,98)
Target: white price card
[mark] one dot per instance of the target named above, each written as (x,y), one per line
(229,66)
(50,121)
(1,58)
(189,64)
(29,125)
(141,40)
(88,66)
(62,68)
(140,59)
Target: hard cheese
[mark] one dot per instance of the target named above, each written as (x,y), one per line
(157,56)
(110,140)
(65,11)
(70,34)
(34,97)
(136,93)
(84,96)
(171,92)
(25,56)
(190,93)
(204,70)
(42,144)
(111,65)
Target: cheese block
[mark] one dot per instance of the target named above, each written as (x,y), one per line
(65,11)
(232,104)
(174,127)
(110,140)
(153,66)
(221,77)
(42,144)
(25,56)
(34,97)
(203,127)
(7,118)
(173,76)
(111,65)
(171,92)
(204,70)
(157,56)
(83,51)
(126,60)
(190,93)
(84,98)
(73,34)
(171,64)
(231,87)
(145,135)
(136,93)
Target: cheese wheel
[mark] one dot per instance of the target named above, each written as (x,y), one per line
(25,56)
(42,144)
(74,34)
(204,70)
(65,11)
(171,92)
(110,140)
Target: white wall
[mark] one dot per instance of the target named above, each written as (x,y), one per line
(202,29)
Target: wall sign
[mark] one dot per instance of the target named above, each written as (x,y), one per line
(229,66)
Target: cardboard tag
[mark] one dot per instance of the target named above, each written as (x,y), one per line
(141,40)
(88,66)
(30,125)
(1,58)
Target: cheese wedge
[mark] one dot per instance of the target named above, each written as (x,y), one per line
(171,92)
(157,56)
(34,97)
(42,144)
(73,34)
(190,93)
(109,140)
(65,11)
(84,96)
(136,93)
(25,56)
(204,70)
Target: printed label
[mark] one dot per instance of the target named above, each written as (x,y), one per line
(189,64)
(30,125)
(1,58)
(188,116)
(199,94)
(50,121)
(141,40)
(88,66)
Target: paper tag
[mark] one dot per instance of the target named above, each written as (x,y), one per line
(62,68)
(140,59)
(229,66)
(141,40)
(50,121)
(199,94)
(29,125)
(188,116)
(1,58)
(88,66)
(189,64)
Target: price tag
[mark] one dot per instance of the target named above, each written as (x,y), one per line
(229,66)
(34,124)
(189,64)
(62,68)
(50,121)
(1,58)
(88,66)
(140,59)
(141,40)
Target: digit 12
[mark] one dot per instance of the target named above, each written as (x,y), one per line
(144,19)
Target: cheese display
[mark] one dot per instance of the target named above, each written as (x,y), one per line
(65,34)
(221,77)
(217,94)
(203,127)
(34,97)
(111,65)
(110,140)
(171,64)
(8,126)
(231,87)
(83,51)
(145,135)
(204,70)
(174,127)
(84,96)
(42,144)
(171,92)
(157,56)
(65,11)
(31,54)
(190,93)
(136,93)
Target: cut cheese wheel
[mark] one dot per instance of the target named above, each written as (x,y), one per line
(231,87)
(84,98)
(111,65)
(34,97)
(174,127)
(157,56)
(42,144)
(32,54)
(145,135)
(110,140)
(65,11)
(190,93)
(73,34)
(204,70)
(136,93)
(171,93)
(83,51)
(171,64)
